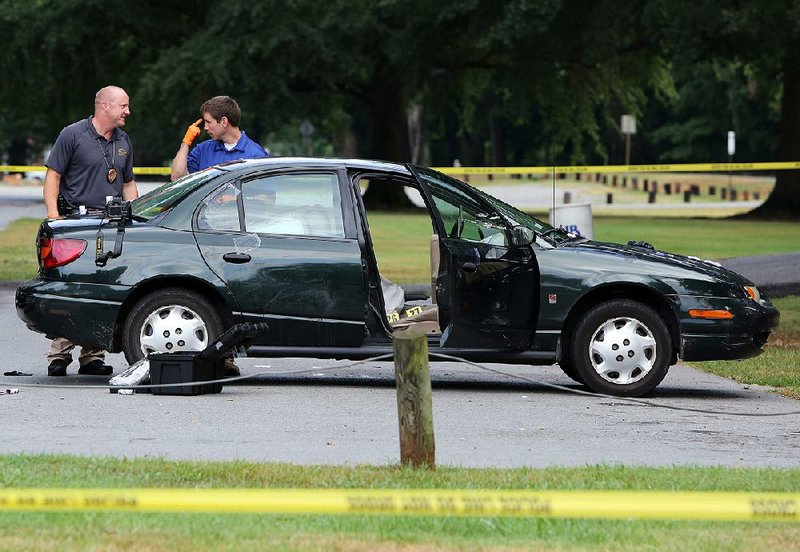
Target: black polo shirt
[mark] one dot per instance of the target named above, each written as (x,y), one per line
(83,156)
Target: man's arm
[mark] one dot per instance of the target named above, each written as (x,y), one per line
(130,190)
(52,185)
(179,164)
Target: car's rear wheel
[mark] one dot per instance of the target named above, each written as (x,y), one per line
(621,347)
(168,321)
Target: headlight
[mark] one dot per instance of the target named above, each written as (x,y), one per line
(752,293)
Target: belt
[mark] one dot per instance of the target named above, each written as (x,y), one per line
(92,212)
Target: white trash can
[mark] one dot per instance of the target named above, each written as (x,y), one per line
(573,217)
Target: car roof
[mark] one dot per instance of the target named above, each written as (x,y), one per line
(300,162)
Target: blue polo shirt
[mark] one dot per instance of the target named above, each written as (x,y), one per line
(212,152)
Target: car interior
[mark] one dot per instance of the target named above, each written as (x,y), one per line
(406,305)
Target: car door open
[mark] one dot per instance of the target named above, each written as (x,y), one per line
(488,282)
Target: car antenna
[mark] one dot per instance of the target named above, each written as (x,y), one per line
(553,177)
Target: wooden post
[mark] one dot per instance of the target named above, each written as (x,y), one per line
(414,399)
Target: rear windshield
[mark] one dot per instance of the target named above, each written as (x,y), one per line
(164,197)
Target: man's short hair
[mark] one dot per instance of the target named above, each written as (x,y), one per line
(222,106)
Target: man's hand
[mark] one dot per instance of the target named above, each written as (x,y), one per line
(192,132)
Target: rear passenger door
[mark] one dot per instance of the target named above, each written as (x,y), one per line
(280,243)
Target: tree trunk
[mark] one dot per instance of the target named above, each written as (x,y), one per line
(415,136)
(784,201)
(388,140)
(498,141)
(345,143)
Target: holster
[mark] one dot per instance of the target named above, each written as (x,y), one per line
(62,206)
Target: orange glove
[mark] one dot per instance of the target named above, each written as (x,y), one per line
(192,132)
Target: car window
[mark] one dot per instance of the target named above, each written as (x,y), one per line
(463,214)
(162,198)
(220,210)
(297,204)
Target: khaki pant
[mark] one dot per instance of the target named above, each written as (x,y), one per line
(62,348)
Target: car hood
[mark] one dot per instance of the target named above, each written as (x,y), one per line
(644,252)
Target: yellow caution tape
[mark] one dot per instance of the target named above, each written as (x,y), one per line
(152,170)
(22,168)
(514,503)
(40,168)
(604,169)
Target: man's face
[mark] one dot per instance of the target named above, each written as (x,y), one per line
(215,129)
(118,109)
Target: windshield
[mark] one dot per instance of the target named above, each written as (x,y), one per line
(162,198)
(514,216)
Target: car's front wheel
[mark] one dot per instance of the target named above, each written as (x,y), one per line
(168,321)
(621,347)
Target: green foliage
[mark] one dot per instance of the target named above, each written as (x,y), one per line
(516,82)
(467,62)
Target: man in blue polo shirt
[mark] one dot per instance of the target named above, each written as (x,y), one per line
(221,115)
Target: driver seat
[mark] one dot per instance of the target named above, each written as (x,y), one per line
(428,319)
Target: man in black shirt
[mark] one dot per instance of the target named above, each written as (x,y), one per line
(91,161)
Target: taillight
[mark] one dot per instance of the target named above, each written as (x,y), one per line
(55,252)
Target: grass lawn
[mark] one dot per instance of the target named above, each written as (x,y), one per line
(156,531)
(18,250)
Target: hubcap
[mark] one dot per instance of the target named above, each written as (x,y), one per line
(173,328)
(622,350)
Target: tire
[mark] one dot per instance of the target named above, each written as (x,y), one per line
(568,369)
(621,347)
(170,320)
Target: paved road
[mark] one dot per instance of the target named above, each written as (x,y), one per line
(776,275)
(348,416)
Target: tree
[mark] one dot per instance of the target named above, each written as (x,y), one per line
(61,52)
(762,38)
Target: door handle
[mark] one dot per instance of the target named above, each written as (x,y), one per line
(236,258)
(471,268)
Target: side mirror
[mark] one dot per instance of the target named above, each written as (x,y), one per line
(522,235)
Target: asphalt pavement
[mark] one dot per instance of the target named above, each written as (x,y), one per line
(308,411)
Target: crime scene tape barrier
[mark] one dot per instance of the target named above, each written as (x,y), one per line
(727,506)
(604,169)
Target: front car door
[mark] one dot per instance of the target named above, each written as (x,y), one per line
(487,289)
(279,241)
